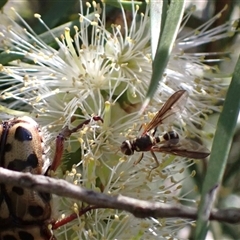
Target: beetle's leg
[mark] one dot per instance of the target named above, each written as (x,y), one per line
(139,159)
(65,220)
(64,134)
(58,152)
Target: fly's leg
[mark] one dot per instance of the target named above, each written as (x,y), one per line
(139,159)
(64,134)
(156,160)
(154,157)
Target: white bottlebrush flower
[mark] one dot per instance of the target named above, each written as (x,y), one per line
(107,74)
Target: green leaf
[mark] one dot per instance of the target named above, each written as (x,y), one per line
(56,13)
(158,18)
(13,112)
(220,149)
(165,44)
(2,3)
(48,36)
(126,4)
(8,57)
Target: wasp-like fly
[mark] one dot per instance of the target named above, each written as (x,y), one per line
(168,142)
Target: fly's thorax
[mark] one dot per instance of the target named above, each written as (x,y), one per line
(144,143)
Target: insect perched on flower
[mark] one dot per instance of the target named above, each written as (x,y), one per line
(25,214)
(168,142)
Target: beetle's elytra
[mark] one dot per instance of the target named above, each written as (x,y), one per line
(22,211)
(25,214)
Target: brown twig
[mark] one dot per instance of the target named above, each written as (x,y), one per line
(138,208)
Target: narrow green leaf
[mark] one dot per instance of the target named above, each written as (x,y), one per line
(2,3)
(13,112)
(47,36)
(157,19)
(164,16)
(165,45)
(8,57)
(54,14)
(126,4)
(221,147)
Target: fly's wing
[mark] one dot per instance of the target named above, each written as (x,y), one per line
(185,148)
(174,104)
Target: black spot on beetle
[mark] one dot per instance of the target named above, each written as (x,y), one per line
(32,160)
(18,190)
(8,147)
(22,134)
(25,236)
(45,196)
(17,165)
(9,237)
(35,211)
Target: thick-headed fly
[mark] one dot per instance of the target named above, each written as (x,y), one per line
(168,142)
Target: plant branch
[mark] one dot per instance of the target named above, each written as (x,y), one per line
(138,208)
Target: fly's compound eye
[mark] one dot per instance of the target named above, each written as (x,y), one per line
(171,137)
(126,148)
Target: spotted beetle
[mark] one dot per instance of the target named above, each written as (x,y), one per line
(25,214)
